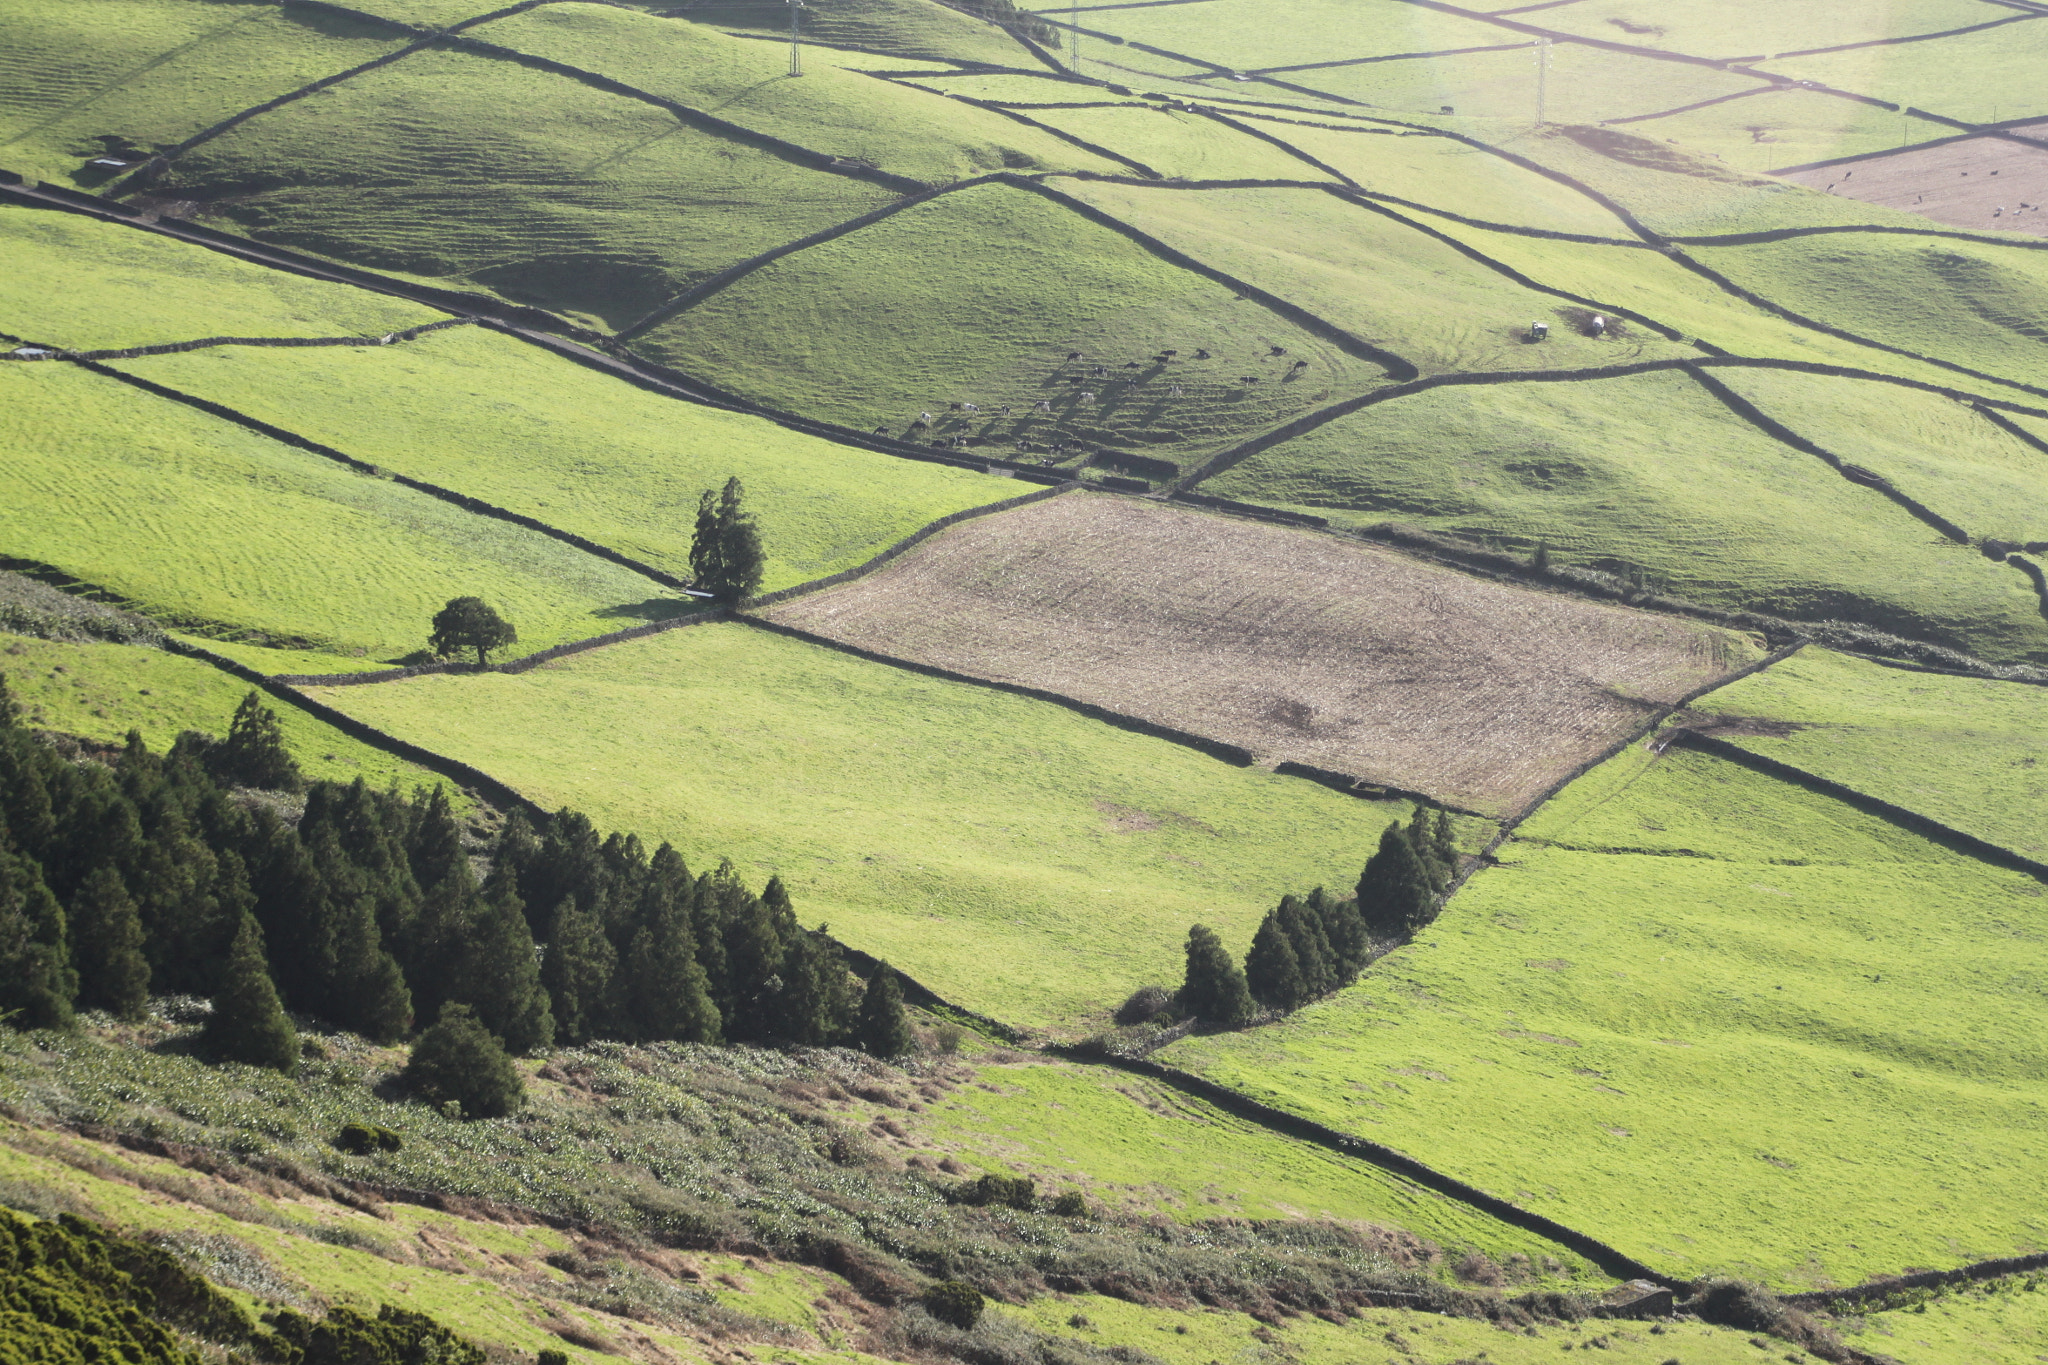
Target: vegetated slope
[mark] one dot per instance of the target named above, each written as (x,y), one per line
(101,691)
(1017,858)
(914,29)
(1376,276)
(2001,1323)
(1584,85)
(1940,452)
(1651,473)
(1968,752)
(1969,303)
(1786,125)
(1297,646)
(1740,1027)
(1981,77)
(1180,144)
(204,523)
(830,109)
(590,202)
(90,285)
(1253,35)
(979,296)
(1730,28)
(79,81)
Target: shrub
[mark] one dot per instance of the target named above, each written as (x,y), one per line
(1016,1192)
(1070,1205)
(955,1302)
(1144,1005)
(947,1038)
(552,1358)
(459,1062)
(361,1139)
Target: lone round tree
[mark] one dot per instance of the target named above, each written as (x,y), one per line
(470,623)
(725,554)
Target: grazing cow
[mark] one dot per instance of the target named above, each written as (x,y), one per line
(1100,371)
(955,407)
(1169,354)
(1003,411)
(924,419)
(1133,365)
(881,431)
(1173,392)
(1073,355)
(1087,397)
(1043,406)
(1597,327)
(1251,379)
(1278,350)
(1538,331)
(1300,365)
(969,407)
(1201,355)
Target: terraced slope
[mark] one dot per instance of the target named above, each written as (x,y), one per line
(1738,1025)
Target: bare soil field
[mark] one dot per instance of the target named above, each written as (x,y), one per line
(1979,183)
(1295,645)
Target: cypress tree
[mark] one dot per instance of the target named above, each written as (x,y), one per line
(248,1024)
(577,970)
(1214,990)
(1271,970)
(1345,930)
(757,940)
(665,993)
(188,927)
(882,1029)
(725,553)
(816,1003)
(707,926)
(254,753)
(1422,838)
(1445,841)
(370,990)
(107,947)
(497,972)
(37,983)
(1394,893)
(459,1059)
(1311,949)
(433,842)
(625,872)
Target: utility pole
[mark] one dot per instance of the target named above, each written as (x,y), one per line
(1074,36)
(796,46)
(1542,81)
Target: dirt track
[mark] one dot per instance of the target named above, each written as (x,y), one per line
(1981,183)
(1297,646)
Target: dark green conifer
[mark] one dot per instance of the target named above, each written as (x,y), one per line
(254,754)
(1444,840)
(497,972)
(1394,891)
(1271,970)
(248,1023)
(1422,838)
(1214,990)
(882,1028)
(459,1059)
(37,983)
(1311,949)
(726,559)
(816,1003)
(577,969)
(433,842)
(1345,930)
(665,994)
(107,942)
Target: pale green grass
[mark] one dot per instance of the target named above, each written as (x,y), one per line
(102,691)
(507,422)
(89,285)
(272,659)
(829,109)
(913,29)
(1651,471)
(1255,34)
(1787,127)
(1969,752)
(1975,77)
(1001,86)
(1737,28)
(1931,448)
(986,844)
(1717,1021)
(153,71)
(1382,280)
(1140,1147)
(979,296)
(1969,303)
(2003,1323)
(589,202)
(1206,1336)
(1185,146)
(201,521)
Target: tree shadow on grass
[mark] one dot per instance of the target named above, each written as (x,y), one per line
(652,609)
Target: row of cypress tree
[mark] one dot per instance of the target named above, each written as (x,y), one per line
(1308,946)
(150,874)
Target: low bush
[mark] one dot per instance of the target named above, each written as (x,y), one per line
(955,1302)
(1144,1005)
(1018,1192)
(361,1139)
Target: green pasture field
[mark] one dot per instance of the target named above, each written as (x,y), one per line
(205,524)
(1253,35)
(1382,280)
(1444,173)
(590,203)
(1969,752)
(1745,28)
(153,72)
(830,109)
(1975,77)
(121,287)
(1650,471)
(272,660)
(1016,857)
(1719,1022)
(916,30)
(499,419)
(1003,87)
(1184,146)
(1787,126)
(1931,448)
(1969,303)
(979,296)
(2002,1322)
(102,691)
(426,13)
(1142,1148)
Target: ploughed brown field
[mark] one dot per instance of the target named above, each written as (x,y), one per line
(1295,645)
(1985,182)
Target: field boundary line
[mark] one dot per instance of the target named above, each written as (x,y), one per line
(1977,1271)
(1236,1102)
(1696,104)
(1887,229)
(477,506)
(1934,831)
(1093,148)
(526,663)
(204,343)
(1907,38)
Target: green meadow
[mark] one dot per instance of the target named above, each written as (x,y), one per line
(102,691)
(1749,28)
(1975,77)
(153,73)
(1586,85)
(1740,1027)
(205,524)
(1016,857)
(1651,472)
(916,30)
(1178,144)
(1787,126)
(2000,1323)
(1255,34)
(1969,752)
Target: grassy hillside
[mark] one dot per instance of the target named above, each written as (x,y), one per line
(1738,1025)
(2002,1323)
(1968,752)
(151,73)
(204,523)
(1711,28)
(979,296)
(1174,143)
(917,30)
(979,847)
(1787,126)
(1249,35)
(1976,77)
(1653,472)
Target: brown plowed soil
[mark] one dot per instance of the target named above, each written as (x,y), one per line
(1980,183)
(1296,645)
